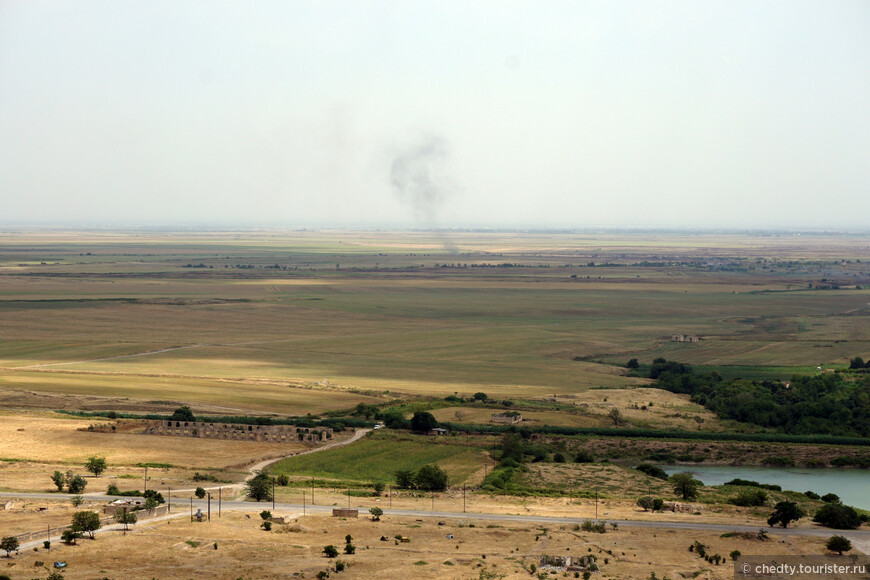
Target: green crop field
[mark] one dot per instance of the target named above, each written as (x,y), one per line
(378,457)
(297,322)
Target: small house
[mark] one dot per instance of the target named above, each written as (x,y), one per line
(438,431)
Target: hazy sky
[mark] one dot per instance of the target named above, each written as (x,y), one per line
(436,113)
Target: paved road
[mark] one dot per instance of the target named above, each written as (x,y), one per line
(184,506)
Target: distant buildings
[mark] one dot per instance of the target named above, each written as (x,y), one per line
(684,338)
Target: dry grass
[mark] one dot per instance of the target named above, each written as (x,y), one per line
(186,550)
(50,438)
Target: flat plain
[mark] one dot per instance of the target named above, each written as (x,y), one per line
(303,321)
(295,322)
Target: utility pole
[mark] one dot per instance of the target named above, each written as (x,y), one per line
(312,491)
(463,498)
(191,508)
(303,502)
(596,504)
(348,498)
(273,493)
(209,507)
(390,493)
(169,500)
(220,490)
(433,501)
(146,478)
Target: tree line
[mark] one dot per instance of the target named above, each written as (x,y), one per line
(826,403)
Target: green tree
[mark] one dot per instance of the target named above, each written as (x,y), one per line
(70,536)
(685,485)
(482,397)
(183,414)
(837,516)
(76,483)
(96,465)
(112,489)
(855,363)
(423,422)
(59,480)
(349,548)
(330,551)
(154,494)
(404,479)
(87,522)
(376,513)
(431,478)
(784,513)
(199,492)
(77,500)
(378,488)
(126,518)
(265,514)
(9,544)
(632,364)
(283,480)
(646,503)
(838,544)
(259,487)
(150,504)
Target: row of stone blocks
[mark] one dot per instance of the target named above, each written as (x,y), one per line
(233,431)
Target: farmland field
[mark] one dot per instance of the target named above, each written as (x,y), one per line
(305,321)
(378,458)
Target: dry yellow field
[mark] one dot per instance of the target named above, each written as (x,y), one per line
(183,550)
(50,438)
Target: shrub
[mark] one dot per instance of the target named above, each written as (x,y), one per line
(349,548)
(376,513)
(646,503)
(200,492)
(658,504)
(265,514)
(559,457)
(838,544)
(831,498)
(330,551)
(590,526)
(837,516)
(652,470)
(584,457)
(812,495)
(750,498)
(266,526)
(283,480)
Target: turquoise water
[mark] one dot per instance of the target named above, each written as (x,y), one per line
(852,485)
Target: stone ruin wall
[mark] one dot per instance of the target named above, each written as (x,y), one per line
(238,432)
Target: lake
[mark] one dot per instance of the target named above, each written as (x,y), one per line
(852,485)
